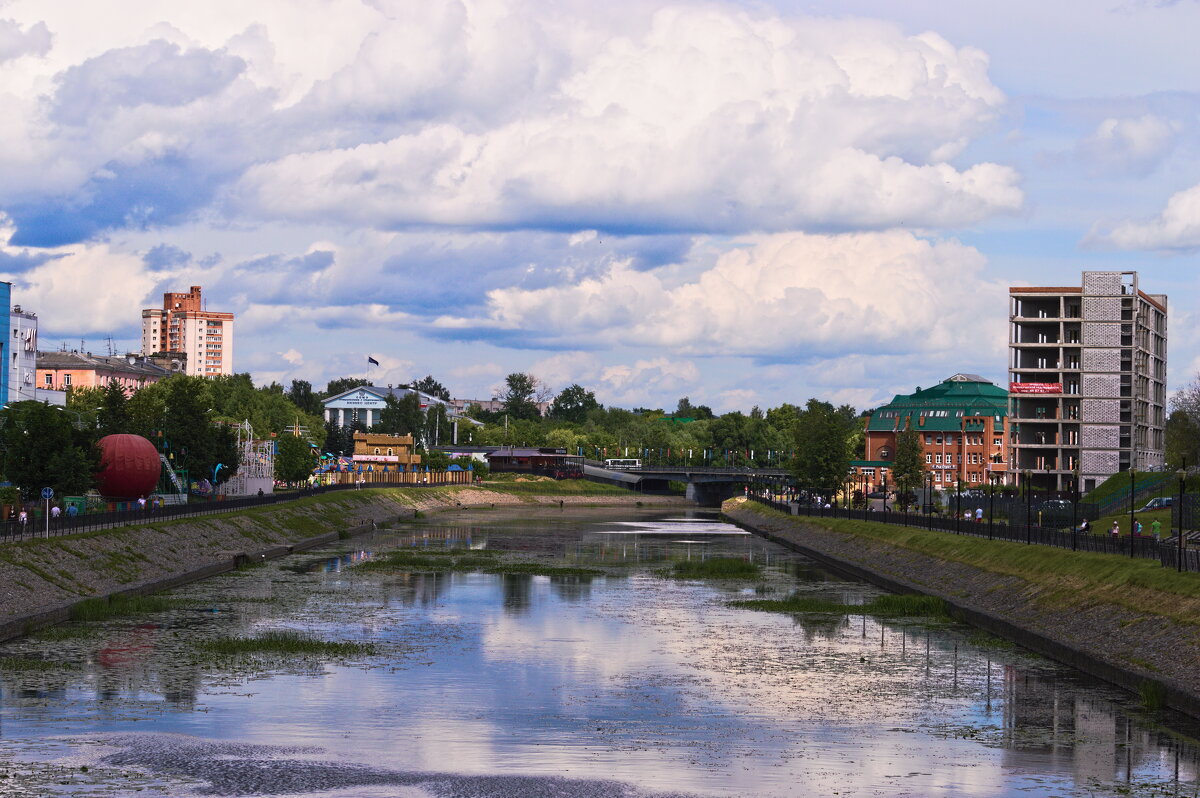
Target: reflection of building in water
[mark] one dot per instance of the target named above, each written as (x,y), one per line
(518,592)
(572,588)
(1088,736)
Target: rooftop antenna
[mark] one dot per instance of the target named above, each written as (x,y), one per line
(111,349)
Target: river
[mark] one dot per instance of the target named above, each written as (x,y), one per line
(626,682)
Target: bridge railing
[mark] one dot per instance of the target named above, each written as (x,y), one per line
(1138,546)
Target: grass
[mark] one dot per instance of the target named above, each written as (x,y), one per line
(560,487)
(1061,577)
(537,569)
(1102,525)
(715,568)
(27,664)
(284,642)
(100,609)
(1117,485)
(1152,694)
(887,606)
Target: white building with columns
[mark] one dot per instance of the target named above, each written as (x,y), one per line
(365,405)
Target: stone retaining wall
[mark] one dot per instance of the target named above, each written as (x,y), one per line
(1108,641)
(40,580)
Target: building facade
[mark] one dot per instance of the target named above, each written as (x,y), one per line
(5,353)
(62,371)
(22,356)
(962,424)
(1087,373)
(461,406)
(182,326)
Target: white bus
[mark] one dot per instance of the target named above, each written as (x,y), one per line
(622,464)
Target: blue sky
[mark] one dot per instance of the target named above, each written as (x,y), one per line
(741,203)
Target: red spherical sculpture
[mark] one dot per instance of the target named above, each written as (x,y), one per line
(129,467)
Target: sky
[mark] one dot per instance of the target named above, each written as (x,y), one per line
(742,203)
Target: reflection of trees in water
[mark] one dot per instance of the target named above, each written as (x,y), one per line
(572,588)
(448,537)
(417,589)
(518,592)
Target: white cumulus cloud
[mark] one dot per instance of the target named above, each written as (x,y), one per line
(710,118)
(1177,227)
(788,296)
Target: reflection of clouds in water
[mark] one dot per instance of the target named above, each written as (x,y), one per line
(241,769)
(650,680)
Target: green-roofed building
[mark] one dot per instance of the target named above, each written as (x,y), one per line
(963,424)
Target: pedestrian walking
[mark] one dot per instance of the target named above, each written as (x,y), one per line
(55,512)
(141,502)
(1116,529)
(1156,529)
(979,515)
(23,519)
(1137,529)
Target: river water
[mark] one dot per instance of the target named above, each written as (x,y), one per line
(623,683)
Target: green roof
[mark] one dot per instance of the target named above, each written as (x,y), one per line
(943,406)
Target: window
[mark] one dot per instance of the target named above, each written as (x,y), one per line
(49,379)
(949,440)
(939,439)
(937,476)
(998,442)
(938,460)
(928,440)
(67,380)
(928,460)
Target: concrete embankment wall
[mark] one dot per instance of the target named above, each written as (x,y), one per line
(40,580)
(1127,648)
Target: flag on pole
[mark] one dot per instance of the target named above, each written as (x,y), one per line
(372,361)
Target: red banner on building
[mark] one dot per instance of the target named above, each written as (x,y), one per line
(1035,387)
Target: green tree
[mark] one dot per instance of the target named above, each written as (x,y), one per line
(402,416)
(908,467)
(429,385)
(295,458)
(43,449)
(197,443)
(822,435)
(1182,439)
(113,416)
(342,384)
(301,394)
(573,404)
(518,396)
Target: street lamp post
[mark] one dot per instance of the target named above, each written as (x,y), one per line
(929,501)
(957,505)
(1025,478)
(1182,473)
(991,501)
(1075,512)
(1132,485)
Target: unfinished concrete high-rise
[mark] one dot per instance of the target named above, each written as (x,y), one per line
(1087,380)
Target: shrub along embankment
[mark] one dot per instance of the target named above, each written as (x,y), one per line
(1130,622)
(42,580)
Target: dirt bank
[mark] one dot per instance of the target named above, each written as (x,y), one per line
(1103,629)
(41,579)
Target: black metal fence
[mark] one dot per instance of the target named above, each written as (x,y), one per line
(1143,547)
(13,529)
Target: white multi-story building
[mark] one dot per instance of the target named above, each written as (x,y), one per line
(183,326)
(1088,380)
(22,356)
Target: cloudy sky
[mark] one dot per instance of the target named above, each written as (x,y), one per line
(743,203)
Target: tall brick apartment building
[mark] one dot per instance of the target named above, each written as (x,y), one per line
(183,327)
(963,427)
(1088,379)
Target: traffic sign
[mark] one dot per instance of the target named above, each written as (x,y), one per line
(47,493)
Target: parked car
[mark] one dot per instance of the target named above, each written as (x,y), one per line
(877,494)
(1157,503)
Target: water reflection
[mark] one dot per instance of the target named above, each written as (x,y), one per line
(631,673)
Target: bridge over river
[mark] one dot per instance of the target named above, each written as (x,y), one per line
(706,486)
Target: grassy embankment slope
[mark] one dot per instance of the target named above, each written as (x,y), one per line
(1066,578)
(38,576)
